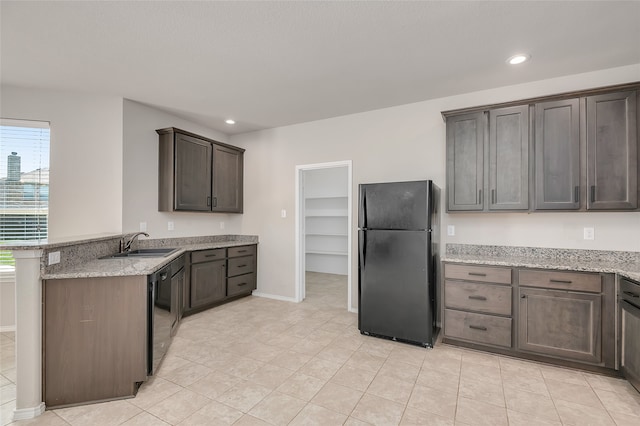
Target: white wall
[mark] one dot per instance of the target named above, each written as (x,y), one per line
(404,143)
(86,156)
(140,190)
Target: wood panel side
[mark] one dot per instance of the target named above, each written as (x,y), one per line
(95,339)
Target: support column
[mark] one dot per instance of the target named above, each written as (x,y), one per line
(29,402)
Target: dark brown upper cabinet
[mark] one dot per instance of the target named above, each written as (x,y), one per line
(557,155)
(465,162)
(509,158)
(488,160)
(198,174)
(612,151)
(227,168)
(574,151)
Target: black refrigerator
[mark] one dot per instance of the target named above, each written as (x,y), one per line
(398,242)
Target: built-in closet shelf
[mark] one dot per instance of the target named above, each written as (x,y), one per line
(327,253)
(328,197)
(326,223)
(326,213)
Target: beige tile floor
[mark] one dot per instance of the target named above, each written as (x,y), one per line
(258,361)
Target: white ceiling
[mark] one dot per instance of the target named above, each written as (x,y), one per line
(269,64)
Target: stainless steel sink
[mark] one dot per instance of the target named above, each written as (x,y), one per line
(145,252)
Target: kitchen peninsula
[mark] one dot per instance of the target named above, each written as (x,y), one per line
(81,258)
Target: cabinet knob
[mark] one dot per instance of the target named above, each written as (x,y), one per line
(524,296)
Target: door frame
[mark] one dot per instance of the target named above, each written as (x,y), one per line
(300,268)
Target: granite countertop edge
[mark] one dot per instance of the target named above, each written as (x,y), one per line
(117,267)
(628,270)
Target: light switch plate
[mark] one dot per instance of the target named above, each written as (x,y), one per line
(143,226)
(283,213)
(170,226)
(221,225)
(451,230)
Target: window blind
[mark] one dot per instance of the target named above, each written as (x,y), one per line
(24,182)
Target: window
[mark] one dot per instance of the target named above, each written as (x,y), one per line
(24,182)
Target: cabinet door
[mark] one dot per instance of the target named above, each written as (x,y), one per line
(192,173)
(561,324)
(557,155)
(629,342)
(177,281)
(465,162)
(208,282)
(612,156)
(227,179)
(509,158)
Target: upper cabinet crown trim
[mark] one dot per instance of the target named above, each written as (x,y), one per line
(559,96)
(170,130)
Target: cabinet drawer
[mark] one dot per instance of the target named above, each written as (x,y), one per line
(574,281)
(478,328)
(240,265)
(241,251)
(489,298)
(207,255)
(241,284)
(478,273)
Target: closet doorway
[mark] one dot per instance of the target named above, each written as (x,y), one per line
(323,234)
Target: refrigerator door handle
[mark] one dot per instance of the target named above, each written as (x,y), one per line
(363,248)
(363,209)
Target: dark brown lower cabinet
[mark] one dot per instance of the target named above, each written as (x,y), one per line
(95,339)
(217,275)
(562,317)
(208,282)
(560,323)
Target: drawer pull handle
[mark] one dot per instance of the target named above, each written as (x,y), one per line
(241,284)
(242,251)
(477,297)
(477,274)
(560,281)
(241,266)
(210,255)
(478,327)
(632,294)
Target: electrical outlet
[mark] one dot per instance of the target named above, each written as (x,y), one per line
(589,234)
(54,257)
(143,226)
(451,230)
(170,226)
(221,225)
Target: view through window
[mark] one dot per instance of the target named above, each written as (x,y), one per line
(24,183)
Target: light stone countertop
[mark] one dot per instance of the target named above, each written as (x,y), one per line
(626,264)
(115,267)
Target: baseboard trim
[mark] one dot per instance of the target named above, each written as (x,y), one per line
(274,296)
(5,328)
(28,413)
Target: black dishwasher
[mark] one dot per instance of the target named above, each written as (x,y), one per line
(629,302)
(163,312)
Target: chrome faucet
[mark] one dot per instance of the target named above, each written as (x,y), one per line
(126,246)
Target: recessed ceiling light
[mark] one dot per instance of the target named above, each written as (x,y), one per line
(230,121)
(518,59)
